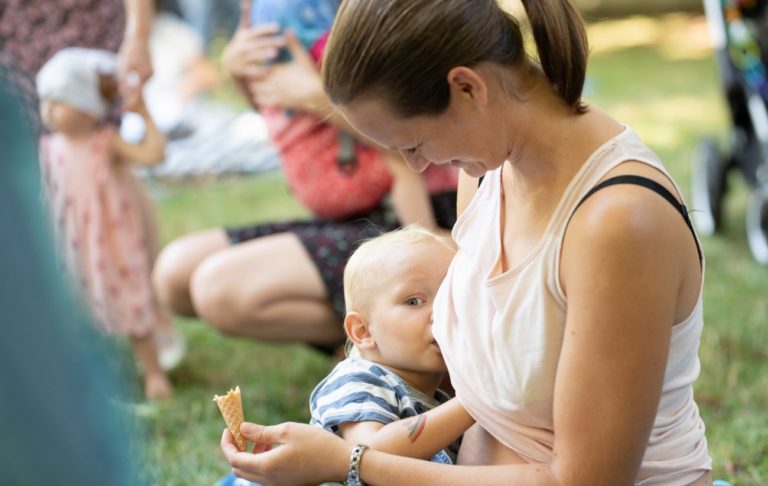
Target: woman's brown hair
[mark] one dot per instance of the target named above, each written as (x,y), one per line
(402,50)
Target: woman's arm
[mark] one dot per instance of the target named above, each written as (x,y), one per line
(421,436)
(150,151)
(309,455)
(135,61)
(625,260)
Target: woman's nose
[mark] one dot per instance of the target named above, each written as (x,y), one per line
(417,163)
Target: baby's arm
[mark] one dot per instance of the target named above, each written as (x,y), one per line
(151,149)
(421,436)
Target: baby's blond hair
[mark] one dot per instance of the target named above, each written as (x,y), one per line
(360,271)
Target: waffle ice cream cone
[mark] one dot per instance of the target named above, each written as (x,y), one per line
(231,408)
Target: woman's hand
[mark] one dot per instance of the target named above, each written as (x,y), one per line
(292,85)
(248,54)
(135,68)
(135,62)
(304,454)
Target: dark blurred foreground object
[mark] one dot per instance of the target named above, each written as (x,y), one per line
(59,423)
(739,31)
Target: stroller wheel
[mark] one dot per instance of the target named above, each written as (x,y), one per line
(757,225)
(707,187)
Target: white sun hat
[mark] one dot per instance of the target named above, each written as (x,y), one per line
(71,76)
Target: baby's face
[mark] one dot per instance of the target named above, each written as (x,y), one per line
(63,118)
(400,314)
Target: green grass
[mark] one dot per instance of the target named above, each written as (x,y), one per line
(183,434)
(667,89)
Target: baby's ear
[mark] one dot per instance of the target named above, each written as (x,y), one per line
(108,87)
(356,327)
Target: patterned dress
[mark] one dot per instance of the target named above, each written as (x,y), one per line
(31,31)
(96,207)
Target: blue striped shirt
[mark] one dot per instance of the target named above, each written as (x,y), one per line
(358,390)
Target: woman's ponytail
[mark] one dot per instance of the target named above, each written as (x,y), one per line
(561,42)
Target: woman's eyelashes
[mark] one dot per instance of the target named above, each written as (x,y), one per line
(413,150)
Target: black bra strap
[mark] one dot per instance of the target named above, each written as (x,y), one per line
(653,186)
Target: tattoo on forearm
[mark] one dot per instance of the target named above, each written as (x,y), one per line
(416,427)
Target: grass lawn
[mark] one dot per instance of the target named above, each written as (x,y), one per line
(655,75)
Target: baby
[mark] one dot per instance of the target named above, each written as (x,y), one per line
(385,393)
(395,365)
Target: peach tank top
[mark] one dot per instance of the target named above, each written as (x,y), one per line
(501,336)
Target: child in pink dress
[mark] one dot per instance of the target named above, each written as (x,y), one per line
(101,216)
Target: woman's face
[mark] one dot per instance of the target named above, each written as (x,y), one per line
(464,136)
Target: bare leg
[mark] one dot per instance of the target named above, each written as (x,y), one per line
(156,384)
(267,289)
(176,264)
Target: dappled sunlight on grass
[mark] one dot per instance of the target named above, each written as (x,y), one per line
(678,36)
(664,122)
(611,36)
(672,105)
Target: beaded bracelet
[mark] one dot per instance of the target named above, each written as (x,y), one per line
(353,478)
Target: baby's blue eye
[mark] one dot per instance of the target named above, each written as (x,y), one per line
(413,301)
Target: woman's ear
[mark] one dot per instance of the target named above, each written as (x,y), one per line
(467,84)
(356,327)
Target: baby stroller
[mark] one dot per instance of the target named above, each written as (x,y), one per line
(740,35)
